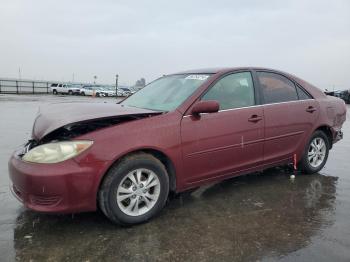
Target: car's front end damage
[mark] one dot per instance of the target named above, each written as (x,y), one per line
(63,187)
(56,170)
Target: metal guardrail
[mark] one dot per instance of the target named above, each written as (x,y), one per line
(25,86)
(8,86)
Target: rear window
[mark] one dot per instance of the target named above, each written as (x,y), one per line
(302,94)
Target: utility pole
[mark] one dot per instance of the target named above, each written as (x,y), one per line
(95,77)
(116,85)
(19,73)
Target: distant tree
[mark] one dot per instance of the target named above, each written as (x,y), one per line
(141,82)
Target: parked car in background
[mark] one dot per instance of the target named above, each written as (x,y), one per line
(108,91)
(179,132)
(135,89)
(132,90)
(329,93)
(71,89)
(120,92)
(124,91)
(92,90)
(337,93)
(344,94)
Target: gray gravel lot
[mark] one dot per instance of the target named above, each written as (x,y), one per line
(263,216)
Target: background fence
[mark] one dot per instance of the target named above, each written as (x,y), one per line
(16,86)
(9,86)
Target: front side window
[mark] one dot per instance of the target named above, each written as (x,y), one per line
(166,93)
(233,91)
(276,88)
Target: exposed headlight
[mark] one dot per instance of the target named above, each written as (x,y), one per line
(56,152)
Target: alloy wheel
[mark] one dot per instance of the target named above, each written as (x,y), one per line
(138,192)
(317,152)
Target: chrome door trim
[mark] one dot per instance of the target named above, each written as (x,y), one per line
(238,108)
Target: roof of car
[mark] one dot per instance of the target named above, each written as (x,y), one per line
(215,70)
(314,91)
(202,71)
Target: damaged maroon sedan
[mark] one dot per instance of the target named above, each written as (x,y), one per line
(179,132)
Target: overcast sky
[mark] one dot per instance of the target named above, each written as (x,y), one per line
(53,40)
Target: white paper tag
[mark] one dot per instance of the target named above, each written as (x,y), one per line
(197,77)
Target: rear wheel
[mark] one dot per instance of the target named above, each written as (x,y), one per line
(134,190)
(316,153)
(54,92)
(70,92)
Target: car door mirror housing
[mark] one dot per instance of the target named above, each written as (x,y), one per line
(209,106)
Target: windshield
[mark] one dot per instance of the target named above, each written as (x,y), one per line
(166,93)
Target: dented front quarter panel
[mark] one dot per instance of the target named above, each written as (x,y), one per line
(160,132)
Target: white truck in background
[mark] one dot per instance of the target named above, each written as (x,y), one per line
(69,89)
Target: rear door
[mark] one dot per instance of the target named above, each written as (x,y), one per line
(290,114)
(218,144)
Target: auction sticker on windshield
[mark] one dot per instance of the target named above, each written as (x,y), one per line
(197,77)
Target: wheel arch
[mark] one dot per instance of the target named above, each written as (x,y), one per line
(161,156)
(328,131)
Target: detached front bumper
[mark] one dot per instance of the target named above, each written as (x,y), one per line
(65,187)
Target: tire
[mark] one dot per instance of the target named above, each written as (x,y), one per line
(97,94)
(54,92)
(82,93)
(118,178)
(70,92)
(314,165)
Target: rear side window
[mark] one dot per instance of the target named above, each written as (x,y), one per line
(233,91)
(276,88)
(302,94)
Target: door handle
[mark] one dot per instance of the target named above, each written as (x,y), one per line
(310,109)
(255,118)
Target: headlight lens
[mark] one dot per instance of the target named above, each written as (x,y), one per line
(56,152)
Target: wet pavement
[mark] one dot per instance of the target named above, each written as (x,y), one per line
(262,216)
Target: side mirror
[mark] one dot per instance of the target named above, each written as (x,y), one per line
(209,106)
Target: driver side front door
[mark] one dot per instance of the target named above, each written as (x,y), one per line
(217,145)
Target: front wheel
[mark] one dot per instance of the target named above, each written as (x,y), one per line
(316,153)
(134,190)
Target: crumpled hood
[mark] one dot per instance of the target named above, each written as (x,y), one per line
(53,116)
